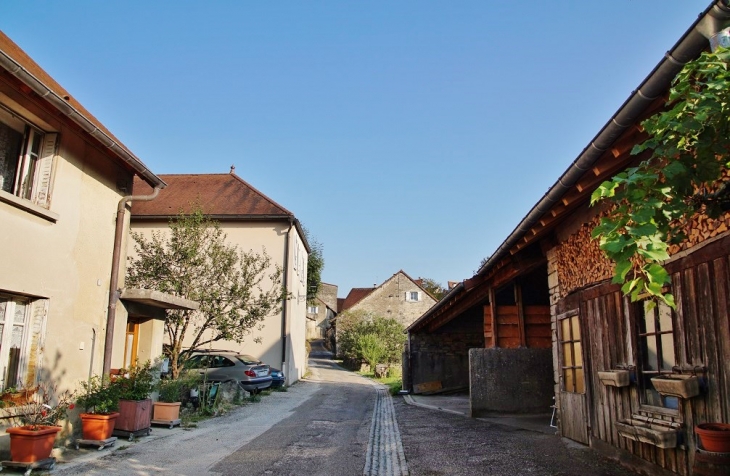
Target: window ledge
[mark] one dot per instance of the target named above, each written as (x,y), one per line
(28,206)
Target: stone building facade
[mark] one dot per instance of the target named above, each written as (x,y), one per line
(399,297)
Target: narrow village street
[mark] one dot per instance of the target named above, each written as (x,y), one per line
(324,425)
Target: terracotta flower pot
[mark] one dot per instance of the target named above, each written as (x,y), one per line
(98,426)
(714,437)
(164,411)
(28,446)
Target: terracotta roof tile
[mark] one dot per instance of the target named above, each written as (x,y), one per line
(355,296)
(219,195)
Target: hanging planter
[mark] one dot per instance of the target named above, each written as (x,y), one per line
(647,432)
(714,437)
(614,378)
(677,385)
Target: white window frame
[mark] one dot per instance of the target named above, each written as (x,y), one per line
(34,166)
(10,303)
(410,296)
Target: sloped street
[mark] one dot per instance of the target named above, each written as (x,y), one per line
(338,423)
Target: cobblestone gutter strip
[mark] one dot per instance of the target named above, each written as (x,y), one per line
(385,456)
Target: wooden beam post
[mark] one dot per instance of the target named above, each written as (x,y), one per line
(520,315)
(493,308)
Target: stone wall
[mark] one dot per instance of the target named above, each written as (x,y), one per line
(443,356)
(390,300)
(510,381)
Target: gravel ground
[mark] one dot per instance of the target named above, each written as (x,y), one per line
(439,443)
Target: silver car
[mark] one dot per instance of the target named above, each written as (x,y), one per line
(229,366)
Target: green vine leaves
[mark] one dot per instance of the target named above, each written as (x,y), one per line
(650,205)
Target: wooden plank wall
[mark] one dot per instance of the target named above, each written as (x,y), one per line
(702,339)
(537,327)
(537,331)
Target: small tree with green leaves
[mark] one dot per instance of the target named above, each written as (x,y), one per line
(236,290)
(315,265)
(352,326)
(370,348)
(651,205)
(433,287)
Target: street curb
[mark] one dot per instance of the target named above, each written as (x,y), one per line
(410,401)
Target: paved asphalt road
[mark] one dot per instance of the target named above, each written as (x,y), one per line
(337,423)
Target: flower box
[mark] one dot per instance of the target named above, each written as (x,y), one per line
(677,385)
(645,432)
(614,378)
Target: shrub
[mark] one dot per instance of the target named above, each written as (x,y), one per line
(388,333)
(98,395)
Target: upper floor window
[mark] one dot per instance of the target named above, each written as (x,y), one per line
(413,296)
(312,309)
(26,158)
(656,351)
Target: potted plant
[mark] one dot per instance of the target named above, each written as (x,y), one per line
(100,401)
(12,396)
(33,440)
(714,437)
(134,387)
(167,408)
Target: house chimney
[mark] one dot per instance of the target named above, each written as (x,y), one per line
(233,169)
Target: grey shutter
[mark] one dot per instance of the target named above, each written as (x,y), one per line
(42,185)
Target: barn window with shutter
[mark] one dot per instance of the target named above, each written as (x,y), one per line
(26,159)
(657,354)
(571,353)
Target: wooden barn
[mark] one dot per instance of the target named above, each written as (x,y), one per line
(630,380)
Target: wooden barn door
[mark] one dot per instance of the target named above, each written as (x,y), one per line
(573,401)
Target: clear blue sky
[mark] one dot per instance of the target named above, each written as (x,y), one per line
(404,135)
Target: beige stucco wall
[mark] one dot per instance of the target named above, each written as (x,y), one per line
(68,261)
(266,343)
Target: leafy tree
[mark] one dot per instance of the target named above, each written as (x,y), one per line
(351,326)
(653,203)
(434,289)
(371,349)
(236,290)
(315,265)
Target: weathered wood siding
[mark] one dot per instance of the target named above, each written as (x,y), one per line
(701,285)
(531,329)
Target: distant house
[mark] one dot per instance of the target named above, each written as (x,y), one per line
(252,221)
(63,177)
(322,311)
(399,297)
(542,319)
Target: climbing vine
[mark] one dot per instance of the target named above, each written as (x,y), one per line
(652,204)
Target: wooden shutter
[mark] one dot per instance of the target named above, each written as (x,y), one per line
(37,330)
(42,183)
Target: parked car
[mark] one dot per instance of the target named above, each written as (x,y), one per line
(229,366)
(277,378)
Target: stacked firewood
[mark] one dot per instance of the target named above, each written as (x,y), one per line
(580,262)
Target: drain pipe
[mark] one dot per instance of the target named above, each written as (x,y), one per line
(283,305)
(114,292)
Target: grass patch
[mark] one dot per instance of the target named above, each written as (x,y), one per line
(394,382)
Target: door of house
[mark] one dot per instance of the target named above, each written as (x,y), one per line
(573,401)
(130,344)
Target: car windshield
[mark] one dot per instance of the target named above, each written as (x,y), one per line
(248,359)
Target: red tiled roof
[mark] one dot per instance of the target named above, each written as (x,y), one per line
(219,195)
(355,296)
